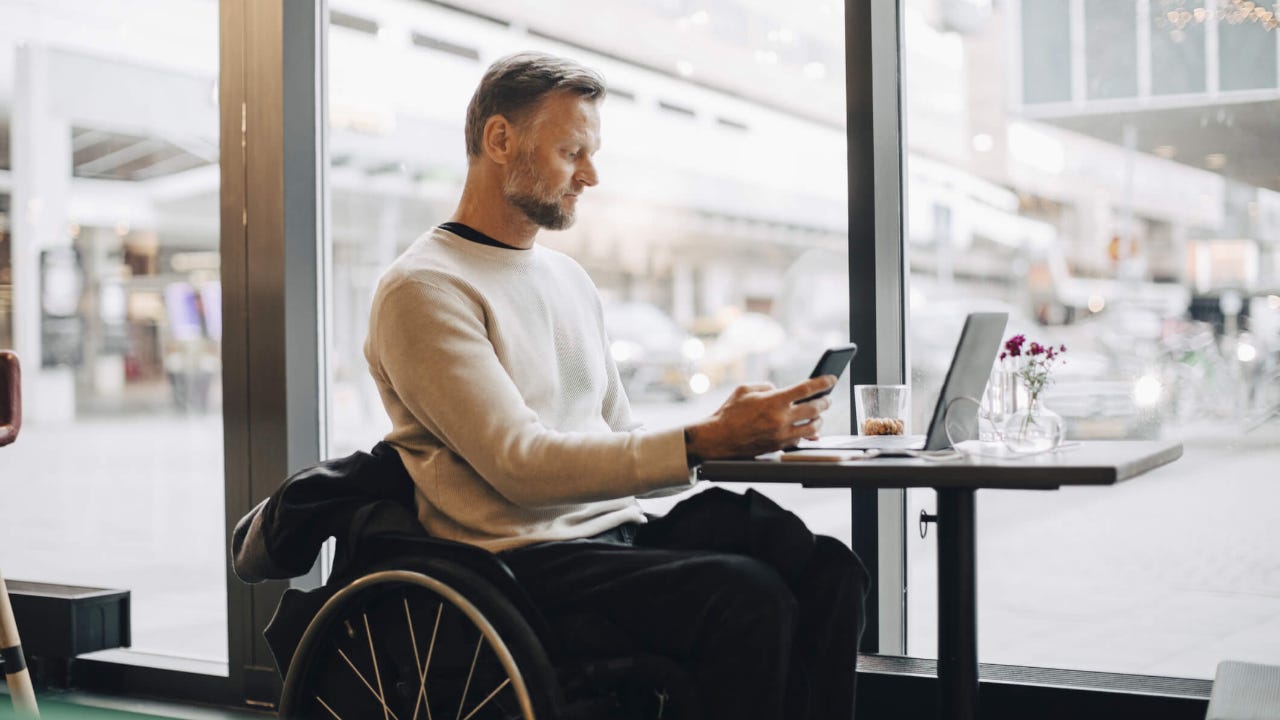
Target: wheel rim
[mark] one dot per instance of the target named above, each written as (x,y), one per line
(404,646)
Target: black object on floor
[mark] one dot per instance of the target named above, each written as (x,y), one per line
(60,622)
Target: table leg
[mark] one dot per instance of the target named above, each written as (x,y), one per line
(957,606)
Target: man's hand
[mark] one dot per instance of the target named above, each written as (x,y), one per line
(759,419)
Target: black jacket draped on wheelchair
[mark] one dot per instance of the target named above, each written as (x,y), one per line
(408,622)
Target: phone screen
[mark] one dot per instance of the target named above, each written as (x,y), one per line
(832,362)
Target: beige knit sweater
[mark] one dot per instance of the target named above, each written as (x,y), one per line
(505,402)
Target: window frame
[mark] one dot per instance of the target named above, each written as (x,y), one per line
(271,86)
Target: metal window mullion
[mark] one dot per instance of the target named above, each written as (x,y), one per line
(235,351)
(893,362)
(877,283)
(271,222)
(303,150)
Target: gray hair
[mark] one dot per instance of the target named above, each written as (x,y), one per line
(513,87)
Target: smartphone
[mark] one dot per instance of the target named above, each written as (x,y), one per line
(832,362)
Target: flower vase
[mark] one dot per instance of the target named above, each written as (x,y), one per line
(1034,428)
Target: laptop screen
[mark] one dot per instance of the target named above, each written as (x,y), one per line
(967,377)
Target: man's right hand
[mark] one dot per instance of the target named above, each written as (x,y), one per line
(758,419)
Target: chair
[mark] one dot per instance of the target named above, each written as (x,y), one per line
(15,666)
(411,626)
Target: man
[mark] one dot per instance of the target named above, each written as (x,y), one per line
(490,355)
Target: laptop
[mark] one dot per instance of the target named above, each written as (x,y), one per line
(967,377)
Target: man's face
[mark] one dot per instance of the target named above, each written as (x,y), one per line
(552,165)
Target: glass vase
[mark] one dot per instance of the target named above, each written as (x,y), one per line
(1034,428)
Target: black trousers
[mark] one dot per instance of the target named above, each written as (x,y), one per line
(764,614)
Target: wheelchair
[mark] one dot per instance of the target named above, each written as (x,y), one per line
(410,626)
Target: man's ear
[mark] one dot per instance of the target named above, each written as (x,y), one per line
(499,141)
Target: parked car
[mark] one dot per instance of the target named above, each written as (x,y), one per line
(655,356)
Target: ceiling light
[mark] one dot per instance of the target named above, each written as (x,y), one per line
(1165,151)
(1215,161)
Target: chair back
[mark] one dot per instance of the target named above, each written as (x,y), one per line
(10,397)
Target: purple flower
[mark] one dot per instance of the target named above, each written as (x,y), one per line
(1013,345)
(1035,367)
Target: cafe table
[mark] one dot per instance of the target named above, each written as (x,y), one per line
(956,481)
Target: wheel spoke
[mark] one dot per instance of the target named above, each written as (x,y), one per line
(417,659)
(422,671)
(326,707)
(354,669)
(462,702)
(382,696)
(485,701)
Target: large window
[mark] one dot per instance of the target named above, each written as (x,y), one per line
(110,293)
(717,235)
(1141,233)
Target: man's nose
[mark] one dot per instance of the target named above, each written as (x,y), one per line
(587,173)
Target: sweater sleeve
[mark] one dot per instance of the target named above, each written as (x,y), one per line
(431,345)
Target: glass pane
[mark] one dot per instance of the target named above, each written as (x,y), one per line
(1177,47)
(1144,240)
(1046,47)
(1111,60)
(1246,52)
(717,236)
(110,291)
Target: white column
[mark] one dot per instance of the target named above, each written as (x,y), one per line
(40,143)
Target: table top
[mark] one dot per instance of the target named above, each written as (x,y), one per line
(1082,463)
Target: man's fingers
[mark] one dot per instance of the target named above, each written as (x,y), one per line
(809,410)
(812,386)
(807,431)
(752,387)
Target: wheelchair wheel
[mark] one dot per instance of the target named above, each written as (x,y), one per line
(431,643)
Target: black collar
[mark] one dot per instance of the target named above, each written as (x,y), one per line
(469,233)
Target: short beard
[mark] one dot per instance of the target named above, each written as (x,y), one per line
(527,192)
